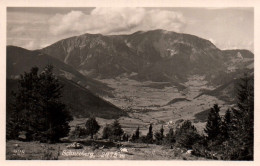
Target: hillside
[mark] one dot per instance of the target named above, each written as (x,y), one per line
(226,92)
(80,101)
(80,92)
(239,53)
(20,60)
(238,59)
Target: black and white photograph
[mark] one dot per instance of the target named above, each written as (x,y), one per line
(129,83)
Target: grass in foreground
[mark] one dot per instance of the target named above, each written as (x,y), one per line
(110,151)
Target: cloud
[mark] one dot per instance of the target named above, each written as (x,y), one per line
(116,21)
(212,41)
(26,18)
(249,45)
(36,29)
(18,29)
(28,43)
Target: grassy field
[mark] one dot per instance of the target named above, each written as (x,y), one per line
(135,151)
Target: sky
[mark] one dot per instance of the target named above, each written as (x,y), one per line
(34,27)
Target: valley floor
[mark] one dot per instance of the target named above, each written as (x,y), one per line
(151,102)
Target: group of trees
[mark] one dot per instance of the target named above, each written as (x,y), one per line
(90,129)
(37,109)
(148,138)
(183,136)
(113,131)
(231,137)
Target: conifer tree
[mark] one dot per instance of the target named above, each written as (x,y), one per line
(159,136)
(92,126)
(226,125)
(25,110)
(116,130)
(37,108)
(213,123)
(170,137)
(54,117)
(133,138)
(187,135)
(162,132)
(137,133)
(227,117)
(149,136)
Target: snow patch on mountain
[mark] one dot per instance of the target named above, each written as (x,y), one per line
(239,55)
(128,44)
(171,52)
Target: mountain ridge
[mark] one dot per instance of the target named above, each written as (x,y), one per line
(156,55)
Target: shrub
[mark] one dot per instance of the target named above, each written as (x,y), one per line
(48,155)
(125,137)
(106,132)
(78,132)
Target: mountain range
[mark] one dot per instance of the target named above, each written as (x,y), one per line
(156,55)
